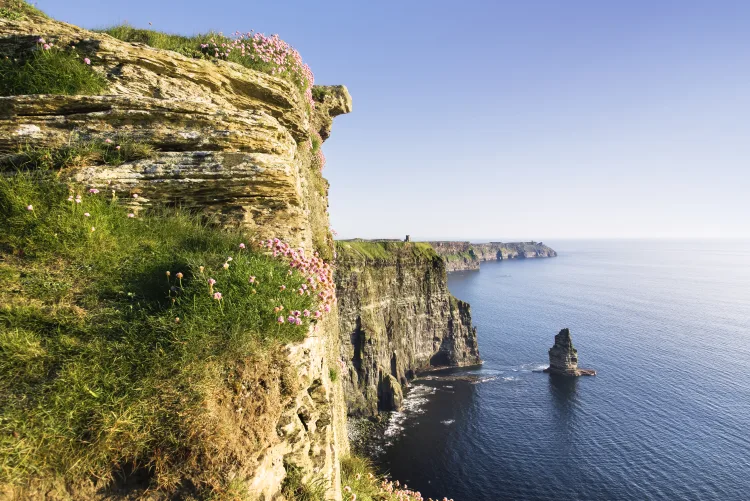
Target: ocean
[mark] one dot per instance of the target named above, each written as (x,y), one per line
(667,326)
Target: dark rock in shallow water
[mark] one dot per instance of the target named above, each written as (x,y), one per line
(563,357)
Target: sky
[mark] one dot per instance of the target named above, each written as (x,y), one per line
(504,120)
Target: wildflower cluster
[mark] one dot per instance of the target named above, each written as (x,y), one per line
(318,279)
(45,45)
(272,53)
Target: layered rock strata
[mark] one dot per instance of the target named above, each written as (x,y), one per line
(563,357)
(396,318)
(233,144)
(467,255)
(230,141)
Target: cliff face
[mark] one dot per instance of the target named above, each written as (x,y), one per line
(396,317)
(230,143)
(467,255)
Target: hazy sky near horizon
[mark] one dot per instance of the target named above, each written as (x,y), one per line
(504,120)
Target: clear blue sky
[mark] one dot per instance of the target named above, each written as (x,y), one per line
(495,119)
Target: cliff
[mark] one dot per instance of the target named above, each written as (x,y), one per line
(396,318)
(236,146)
(467,255)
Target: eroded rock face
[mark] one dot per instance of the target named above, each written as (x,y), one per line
(396,318)
(230,141)
(563,357)
(467,255)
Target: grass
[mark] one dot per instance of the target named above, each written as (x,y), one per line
(296,488)
(54,71)
(108,365)
(333,374)
(18,9)
(383,250)
(191,47)
(78,153)
(461,256)
(358,479)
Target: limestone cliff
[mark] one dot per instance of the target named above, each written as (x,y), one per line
(396,317)
(467,255)
(231,143)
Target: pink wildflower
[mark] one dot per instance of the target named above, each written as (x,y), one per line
(86,214)
(87,60)
(282,288)
(280,320)
(131,215)
(93,191)
(242,246)
(217,296)
(29,207)
(108,141)
(251,279)
(135,195)
(117,147)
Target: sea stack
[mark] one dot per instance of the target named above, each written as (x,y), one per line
(563,358)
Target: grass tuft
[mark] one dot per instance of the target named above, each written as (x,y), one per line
(53,71)
(359,481)
(108,364)
(78,154)
(295,487)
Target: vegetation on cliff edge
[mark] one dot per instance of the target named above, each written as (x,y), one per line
(50,69)
(18,9)
(134,343)
(360,483)
(383,250)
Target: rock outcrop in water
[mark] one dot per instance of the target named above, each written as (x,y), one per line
(563,357)
(467,255)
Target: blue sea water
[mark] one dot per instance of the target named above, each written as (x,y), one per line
(667,326)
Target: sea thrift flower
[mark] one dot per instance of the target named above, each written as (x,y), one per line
(251,279)
(117,147)
(211,283)
(70,198)
(217,296)
(179,275)
(242,246)
(280,320)
(87,60)
(108,141)
(41,40)
(29,207)
(177,320)
(93,191)
(226,266)
(135,195)
(229,259)
(86,214)
(282,288)
(47,46)
(93,229)
(201,268)
(131,215)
